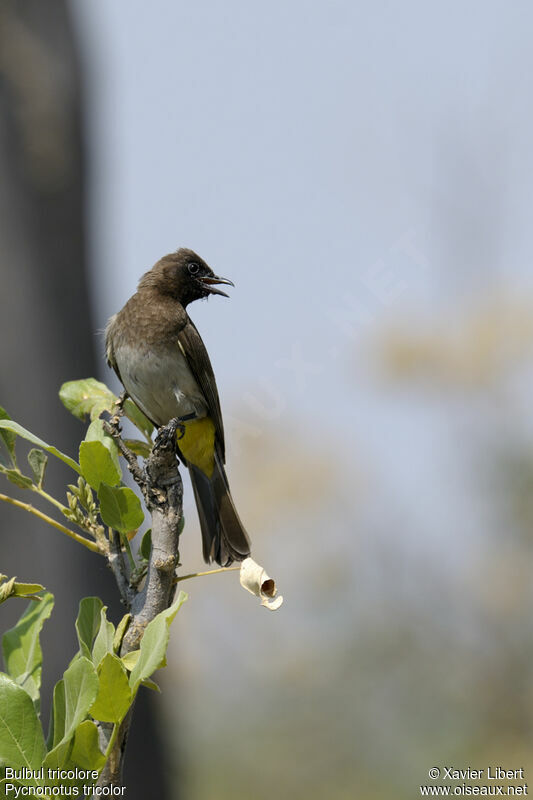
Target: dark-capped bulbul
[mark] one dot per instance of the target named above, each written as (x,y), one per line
(161,360)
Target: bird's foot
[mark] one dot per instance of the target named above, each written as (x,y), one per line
(166,436)
(162,467)
(171,432)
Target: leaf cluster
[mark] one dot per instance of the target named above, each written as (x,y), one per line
(99,686)
(99,498)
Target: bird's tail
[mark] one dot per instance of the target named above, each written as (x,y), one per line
(224,538)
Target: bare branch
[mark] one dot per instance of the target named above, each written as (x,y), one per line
(116,563)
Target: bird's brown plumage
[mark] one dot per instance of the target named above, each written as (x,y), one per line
(159,356)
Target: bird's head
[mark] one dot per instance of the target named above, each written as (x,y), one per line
(184,276)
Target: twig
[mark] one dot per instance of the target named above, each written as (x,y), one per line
(41,492)
(127,550)
(92,529)
(207,572)
(112,740)
(119,405)
(77,538)
(113,429)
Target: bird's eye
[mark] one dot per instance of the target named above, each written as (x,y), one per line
(194,268)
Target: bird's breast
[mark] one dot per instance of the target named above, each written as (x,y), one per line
(160,382)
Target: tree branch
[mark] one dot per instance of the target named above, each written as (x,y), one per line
(163,491)
(114,430)
(116,564)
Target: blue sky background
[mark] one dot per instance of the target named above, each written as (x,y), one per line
(351,167)
(343,163)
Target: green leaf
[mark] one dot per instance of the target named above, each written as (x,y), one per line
(73,696)
(38,460)
(14,427)
(120,508)
(151,685)
(86,753)
(139,448)
(12,588)
(81,688)
(88,623)
(26,589)
(97,465)
(137,417)
(8,438)
(96,433)
(104,638)
(59,757)
(57,717)
(16,477)
(77,654)
(146,545)
(130,659)
(154,643)
(114,694)
(21,648)
(87,396)
(120,631)
(21,737)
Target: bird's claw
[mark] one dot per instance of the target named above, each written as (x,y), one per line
(168,434)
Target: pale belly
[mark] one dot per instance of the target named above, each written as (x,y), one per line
(163,387)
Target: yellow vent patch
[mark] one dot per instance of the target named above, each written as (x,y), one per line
(198,444)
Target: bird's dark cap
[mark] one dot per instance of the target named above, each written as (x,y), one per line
(183,275)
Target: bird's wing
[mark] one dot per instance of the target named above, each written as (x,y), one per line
(193,349)
(109,349)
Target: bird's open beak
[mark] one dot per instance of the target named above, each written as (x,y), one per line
(211,280)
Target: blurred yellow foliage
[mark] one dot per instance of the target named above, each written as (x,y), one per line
(469,350)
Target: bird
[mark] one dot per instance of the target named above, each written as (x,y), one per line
(159,357)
